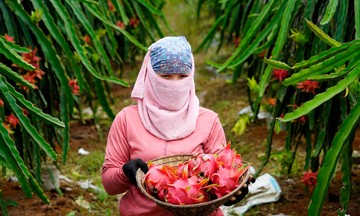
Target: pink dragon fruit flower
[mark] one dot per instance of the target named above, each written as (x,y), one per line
(203,165)
(186,191)
(157,179)
(226,180)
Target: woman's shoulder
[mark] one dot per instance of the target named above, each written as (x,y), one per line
(207,112)
(128,110)
(207,118)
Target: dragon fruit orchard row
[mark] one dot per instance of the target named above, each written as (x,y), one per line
(200,179)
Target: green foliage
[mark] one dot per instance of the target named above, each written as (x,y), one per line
(91,164)
(253,85)
(3,204)
(340,140)
(56,56)
(240,125)
(305,55)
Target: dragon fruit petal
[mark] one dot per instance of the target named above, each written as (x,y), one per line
(226,156)
(177,196)
(237,161)
(157,177)
(182,168)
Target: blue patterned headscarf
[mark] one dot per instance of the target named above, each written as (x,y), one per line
(171,55)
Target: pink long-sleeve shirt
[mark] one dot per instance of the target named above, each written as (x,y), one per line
(128,139)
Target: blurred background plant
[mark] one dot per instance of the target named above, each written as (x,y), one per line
(303,58)
(55,58)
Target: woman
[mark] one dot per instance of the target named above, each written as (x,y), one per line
(167,120)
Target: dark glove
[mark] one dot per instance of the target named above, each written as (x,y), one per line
(240,194)
(132,166)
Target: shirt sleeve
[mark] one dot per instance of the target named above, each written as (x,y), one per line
(116,155)
(217,138)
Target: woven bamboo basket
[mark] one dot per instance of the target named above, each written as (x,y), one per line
(199,209)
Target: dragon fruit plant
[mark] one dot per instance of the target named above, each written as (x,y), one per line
(202,178)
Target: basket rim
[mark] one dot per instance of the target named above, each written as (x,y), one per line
(140,183)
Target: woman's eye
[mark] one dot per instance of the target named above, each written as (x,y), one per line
(165,76)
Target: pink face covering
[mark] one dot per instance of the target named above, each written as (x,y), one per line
(168,108)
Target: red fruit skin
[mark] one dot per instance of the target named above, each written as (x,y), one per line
(185,191)
(309,179)
(228,157)
(226,180)
(200,179)
(203,165)
(182,169)
(157,179)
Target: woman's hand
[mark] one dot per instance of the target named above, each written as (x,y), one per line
(240,194)
(132,166)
